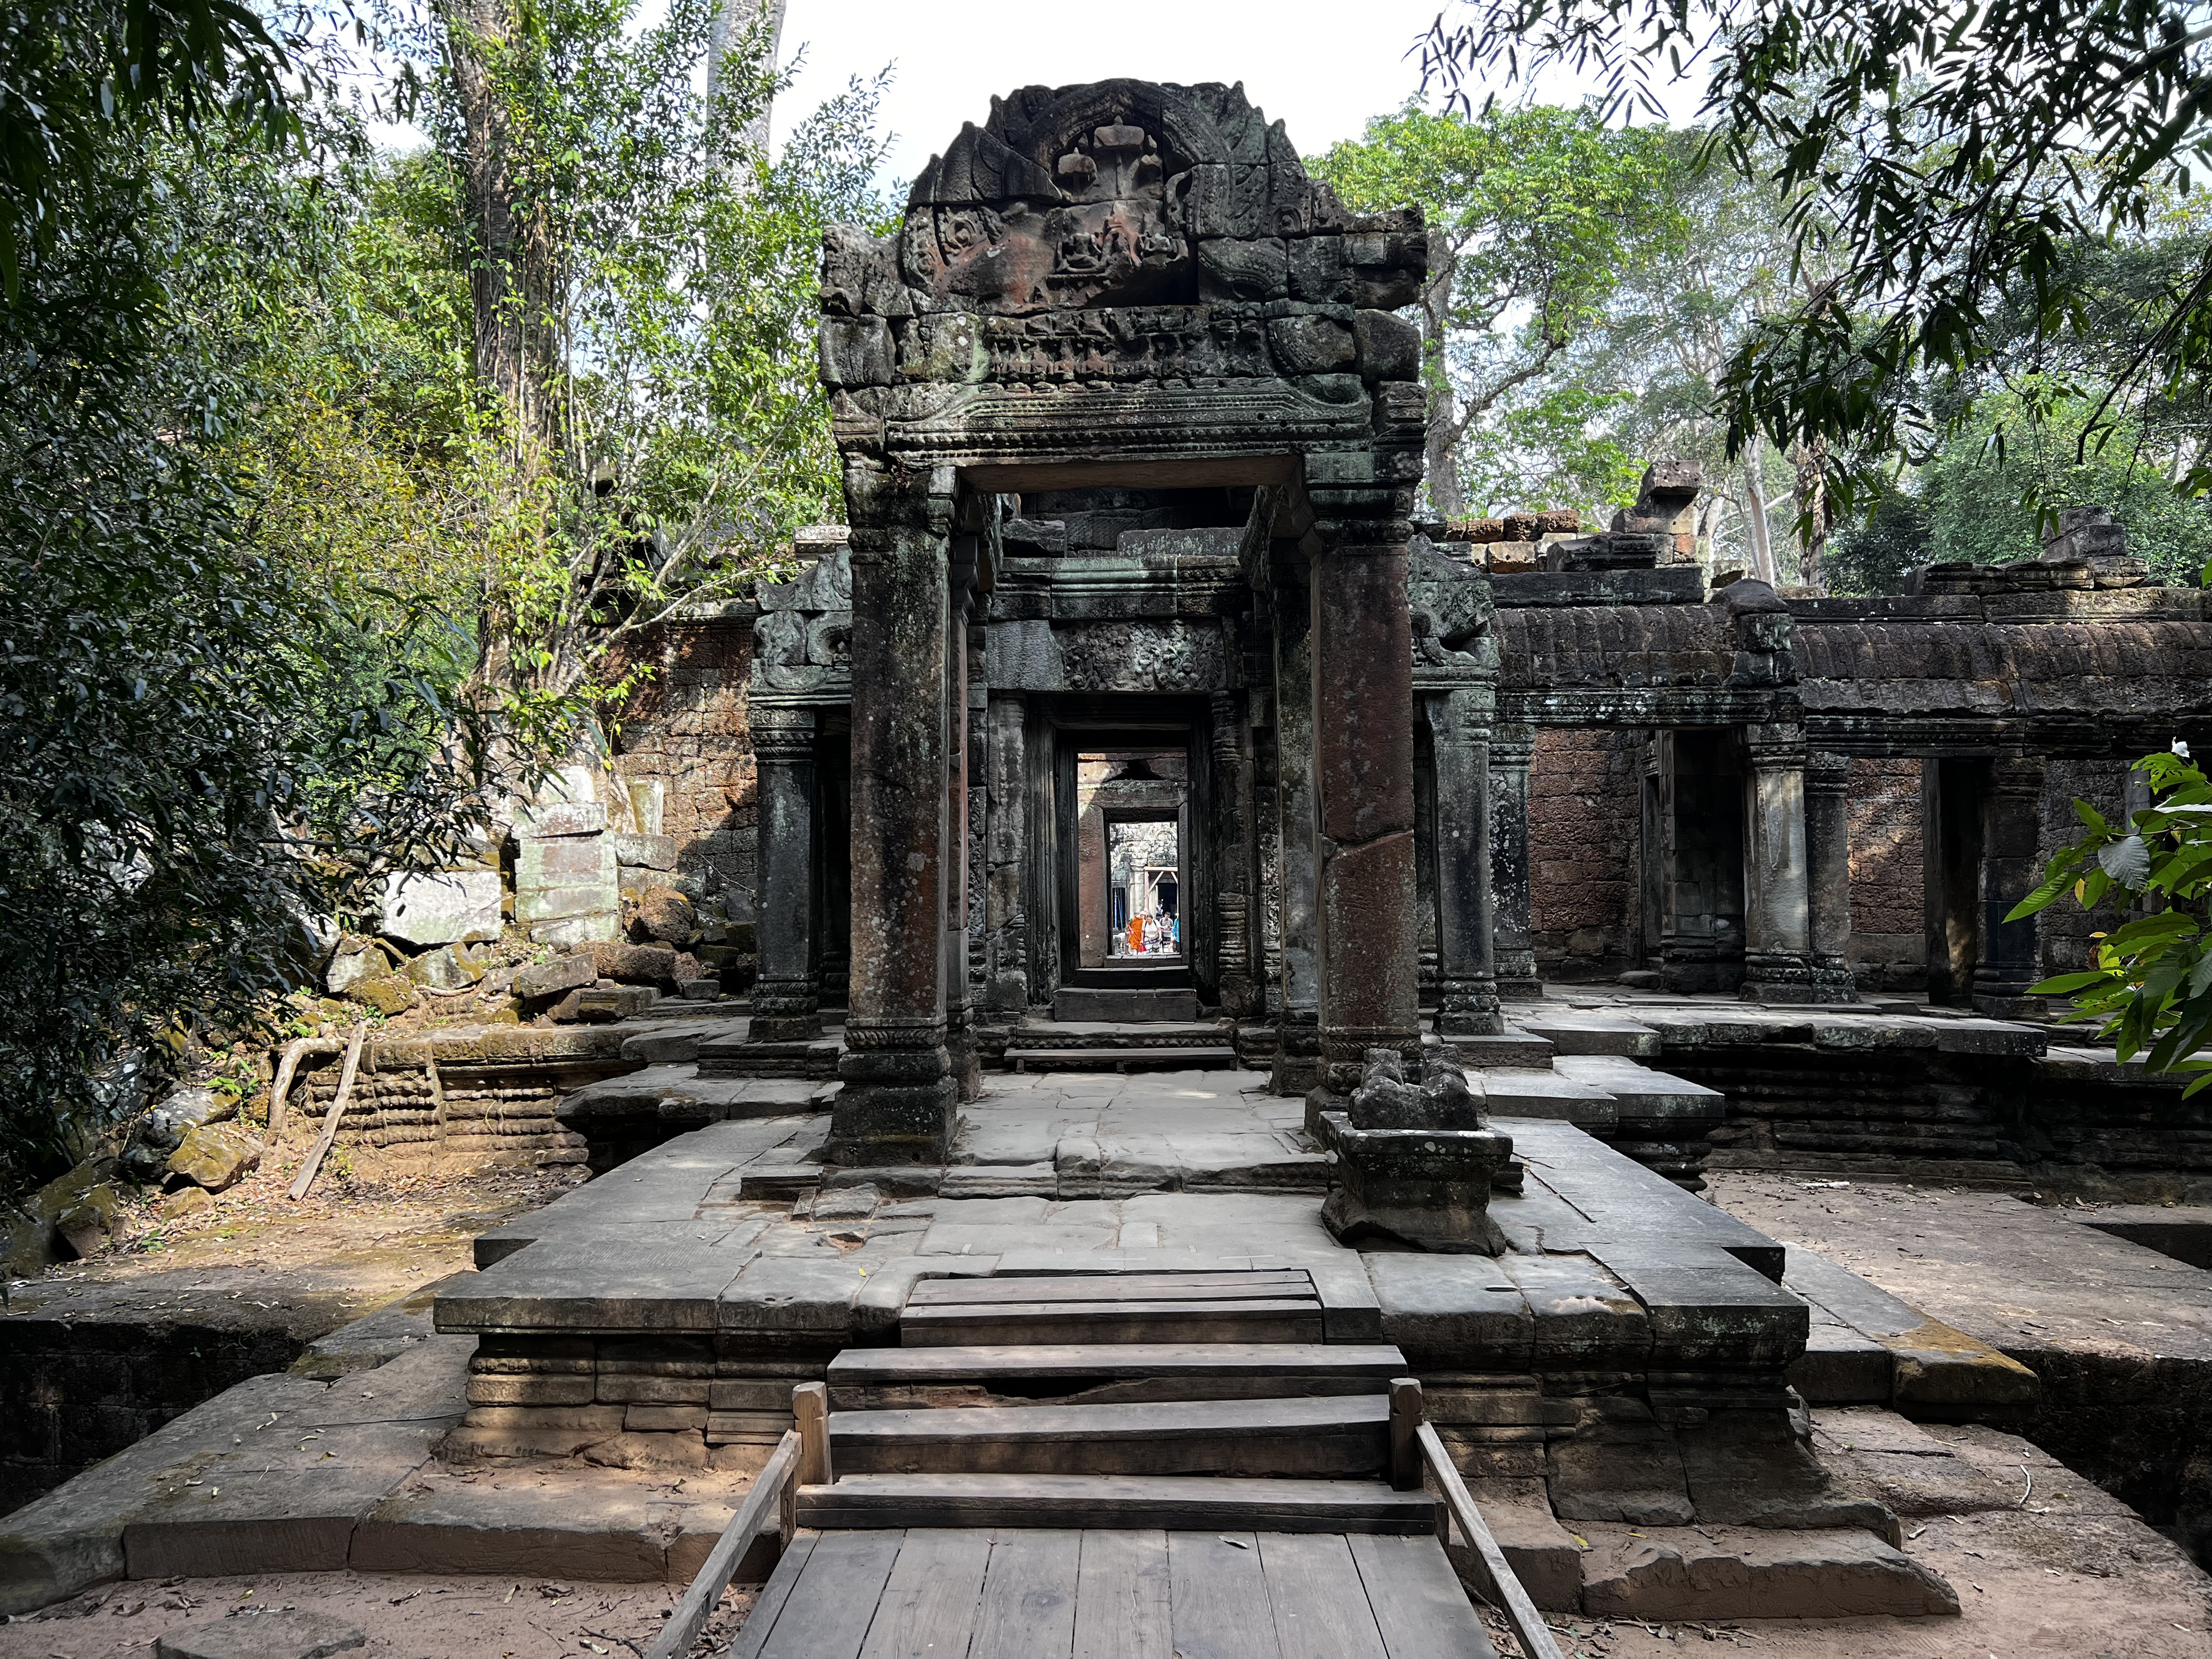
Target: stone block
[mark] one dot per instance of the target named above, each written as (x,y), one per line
(1542,1554)
(646,1419)
(1707,1308)
(1318,272)
(1257,270)
(529,1390)
(1458,1310)
(566,933)
(1389,347)
(549,875)
(855,351)
(215,1157)
(388,993)
(604,1004)
(1636,1480)
(561,818)
(1427,1188)
(1311,344)
(1755,1573)
(582,1525)
(634,964)
(644,851)
(442,909)
(1585,1318)
(256,1632)
(550,979)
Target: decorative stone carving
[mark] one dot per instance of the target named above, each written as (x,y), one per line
(1416,1164)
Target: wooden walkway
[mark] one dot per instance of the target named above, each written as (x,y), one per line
(1025,1594)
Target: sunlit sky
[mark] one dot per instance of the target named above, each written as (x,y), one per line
(1322,69)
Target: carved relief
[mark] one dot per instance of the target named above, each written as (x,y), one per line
(1142,656)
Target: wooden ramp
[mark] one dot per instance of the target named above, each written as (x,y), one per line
(1030,1593)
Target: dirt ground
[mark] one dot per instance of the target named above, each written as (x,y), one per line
(404,1616)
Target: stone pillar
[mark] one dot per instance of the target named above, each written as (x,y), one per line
(1366,962)
(1298,1055)
(1466,970)
(1235,947)
(896,1106)
(1511,749)
(959,1007)
(786,996)
(1005,853)
(1777,947)
(1828,850)
(2012,819)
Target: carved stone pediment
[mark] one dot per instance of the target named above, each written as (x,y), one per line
(1454,619)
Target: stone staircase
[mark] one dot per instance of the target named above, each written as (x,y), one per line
(1054,1045)
(1177,1400)
(1129,989)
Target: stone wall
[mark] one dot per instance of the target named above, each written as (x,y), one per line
(1889,906)
(687,726)
(2063,930)
(1585,850)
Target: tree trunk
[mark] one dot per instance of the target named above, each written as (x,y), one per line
(1446,494)
(1754,516)
(511,250)
(1812,495)
(732,18)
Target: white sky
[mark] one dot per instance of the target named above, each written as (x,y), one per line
(1322,69)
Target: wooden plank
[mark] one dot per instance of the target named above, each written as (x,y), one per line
(1114,1287)
(1417,1599)
(1121,1596)
(1027,1610)
(761,1507)
(831,1607)
(1195,1501)
(928,1609)
(1493,1576)
(810,1411)
(963,1365)
(330,1134)
(1405,1418)
(1217,1597)
(1321,1606)
(768,1607)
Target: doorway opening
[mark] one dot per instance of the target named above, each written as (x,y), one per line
(1132,807)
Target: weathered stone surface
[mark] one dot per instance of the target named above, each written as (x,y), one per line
(1723,1573)
(262,1634)
(217,1158)
(565,877)
(665,914)
(388,993)
(443,908)
(1456,1310)
(654,852)
(561,818)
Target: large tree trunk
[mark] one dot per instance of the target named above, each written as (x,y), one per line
(732,18)
(511,250)
(1812,494)
(1755,515)
(1446,494)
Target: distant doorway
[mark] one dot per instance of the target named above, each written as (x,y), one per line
(1132,806)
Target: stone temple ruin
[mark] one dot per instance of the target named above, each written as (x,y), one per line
(1108,1178)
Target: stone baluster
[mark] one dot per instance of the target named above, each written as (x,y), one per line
(1828,847)
(897,1102)
(1467,970)
(1511,749)
(786,1001)
(1778,965)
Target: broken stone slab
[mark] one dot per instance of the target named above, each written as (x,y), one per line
(571,1525)
(1542,1554)
(1589,1032)
(1935,1370)
(587,927)
(1585,1317)
(560,819)
(1527,1092)
(1627,1471)
(1746,1469)
(1707,1308)
(1900,1465)
(1715,1573)
(552,979)
(262,1634)
(605,1005)
(443,908)
(644,851)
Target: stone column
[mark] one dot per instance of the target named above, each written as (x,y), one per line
(1828,850)
(959,1007)
(897,1103)
(1232,856)
(1511,748)
(1466,970)
(1777,947)
(1365,947)
(1296,1056)
(785,998)
(2012,819)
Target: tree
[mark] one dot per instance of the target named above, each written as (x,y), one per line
(1946,166)
(2150,990)
(1533,212)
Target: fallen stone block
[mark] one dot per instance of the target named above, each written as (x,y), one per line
(262,1634)
(388,993)
(1707,1573)
(551,979)
(604,1005)
(442,909)
(215,1157)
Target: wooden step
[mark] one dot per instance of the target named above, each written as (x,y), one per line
(1327,1438)
(1168,1503)
(1229,1286)
(1288,1319)
(881,1379)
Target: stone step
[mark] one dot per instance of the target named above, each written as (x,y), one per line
(1511,1047)
(1036,1034)
(1136,974)
(862,1379)
(815,1059)
(1165,1502)
(1526,1091)
(1211,1057)
(1128,1004)
(1327,1438)
(1233,1285)
(1589,1031)
(1287,1319)
(1641,1091)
